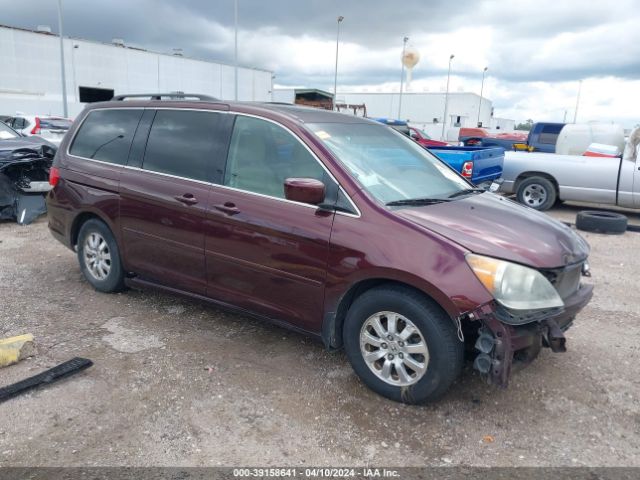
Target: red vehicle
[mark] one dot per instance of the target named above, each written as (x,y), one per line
(425,140)
(330,224)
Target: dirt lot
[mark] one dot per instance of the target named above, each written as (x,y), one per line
(179,383)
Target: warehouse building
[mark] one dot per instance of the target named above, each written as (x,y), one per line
(30,77)
(426,110)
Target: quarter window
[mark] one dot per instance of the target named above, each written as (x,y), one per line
(186,143)
(106,135)
(262,155)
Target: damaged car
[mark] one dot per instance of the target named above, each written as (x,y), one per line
(333,225)
(24,175)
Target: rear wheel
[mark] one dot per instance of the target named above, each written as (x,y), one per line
(537,192)
(99,257)
(402,345)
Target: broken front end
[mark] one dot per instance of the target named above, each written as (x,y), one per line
(24,182)
(501,338)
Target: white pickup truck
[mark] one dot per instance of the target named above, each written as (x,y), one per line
(539,179)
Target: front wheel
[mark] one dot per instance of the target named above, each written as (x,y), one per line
(99,257)
(537,192)
(402,345)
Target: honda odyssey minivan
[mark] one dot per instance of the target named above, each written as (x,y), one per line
(333,225)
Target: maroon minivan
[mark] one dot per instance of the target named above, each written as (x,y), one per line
(333,225)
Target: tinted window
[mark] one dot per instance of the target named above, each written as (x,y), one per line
(549,134)
(55,123)
(262,155)
(106,135)
(185,143)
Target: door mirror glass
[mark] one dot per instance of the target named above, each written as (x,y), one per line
(304,190)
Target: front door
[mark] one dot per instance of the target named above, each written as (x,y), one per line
(164,197)
(263,252)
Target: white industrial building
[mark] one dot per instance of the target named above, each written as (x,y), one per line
(30,76)
(426,110)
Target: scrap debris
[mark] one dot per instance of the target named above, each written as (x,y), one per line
(58,372)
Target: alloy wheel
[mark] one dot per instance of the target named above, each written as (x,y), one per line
(394,348)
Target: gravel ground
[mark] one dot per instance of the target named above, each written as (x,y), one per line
(185,384)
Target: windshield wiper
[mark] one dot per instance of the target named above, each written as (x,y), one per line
(467,191)
(416,201)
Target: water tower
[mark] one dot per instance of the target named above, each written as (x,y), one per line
(410,58)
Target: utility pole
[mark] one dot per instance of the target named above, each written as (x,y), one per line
(64,79)
(335,77)
(575,113)
(235,52)
(481,90)
(404,47)
(446,98)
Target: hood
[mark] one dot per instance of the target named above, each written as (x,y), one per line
(7,147)
(488,224)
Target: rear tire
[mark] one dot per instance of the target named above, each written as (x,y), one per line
(99,257)
(397,373)
(605,222)
(536,192)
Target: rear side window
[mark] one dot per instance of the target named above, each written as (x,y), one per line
(187,143)
(549,134)
(106,135)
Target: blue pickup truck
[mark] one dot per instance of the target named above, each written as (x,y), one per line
(480,165)
(542,138)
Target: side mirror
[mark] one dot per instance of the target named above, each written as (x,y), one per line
(304,190)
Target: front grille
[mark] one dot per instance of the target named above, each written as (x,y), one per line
(565,280)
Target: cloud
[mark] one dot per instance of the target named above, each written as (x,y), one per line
(536,50)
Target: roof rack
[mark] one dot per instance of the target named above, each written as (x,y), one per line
(170,96)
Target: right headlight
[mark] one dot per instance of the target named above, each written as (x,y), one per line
(514,286)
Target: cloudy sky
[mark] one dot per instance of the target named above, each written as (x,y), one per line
(537,51)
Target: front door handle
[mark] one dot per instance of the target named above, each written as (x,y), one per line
(187,199)
(229,208)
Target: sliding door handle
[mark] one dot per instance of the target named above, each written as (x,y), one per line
(228,207)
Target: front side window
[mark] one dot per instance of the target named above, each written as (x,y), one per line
(391,167)
(185,143)
(262,155)
(106,135)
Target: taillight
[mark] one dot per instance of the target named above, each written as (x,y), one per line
(54,176)
(467,169)
(36,128)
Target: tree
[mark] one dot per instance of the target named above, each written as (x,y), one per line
(525,126)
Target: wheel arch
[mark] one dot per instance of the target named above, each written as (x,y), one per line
(333,321)
(81,219)
(524,175)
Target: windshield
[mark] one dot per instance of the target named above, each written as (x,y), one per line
(7,132)
(389,165)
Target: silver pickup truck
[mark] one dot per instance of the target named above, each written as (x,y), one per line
(539,179)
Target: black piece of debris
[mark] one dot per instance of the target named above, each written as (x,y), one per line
(48,376)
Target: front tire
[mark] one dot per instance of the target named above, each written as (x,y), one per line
(99,257)
(538,193)
(402,344)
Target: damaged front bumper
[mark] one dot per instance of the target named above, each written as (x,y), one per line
(24,175)
(504,347)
